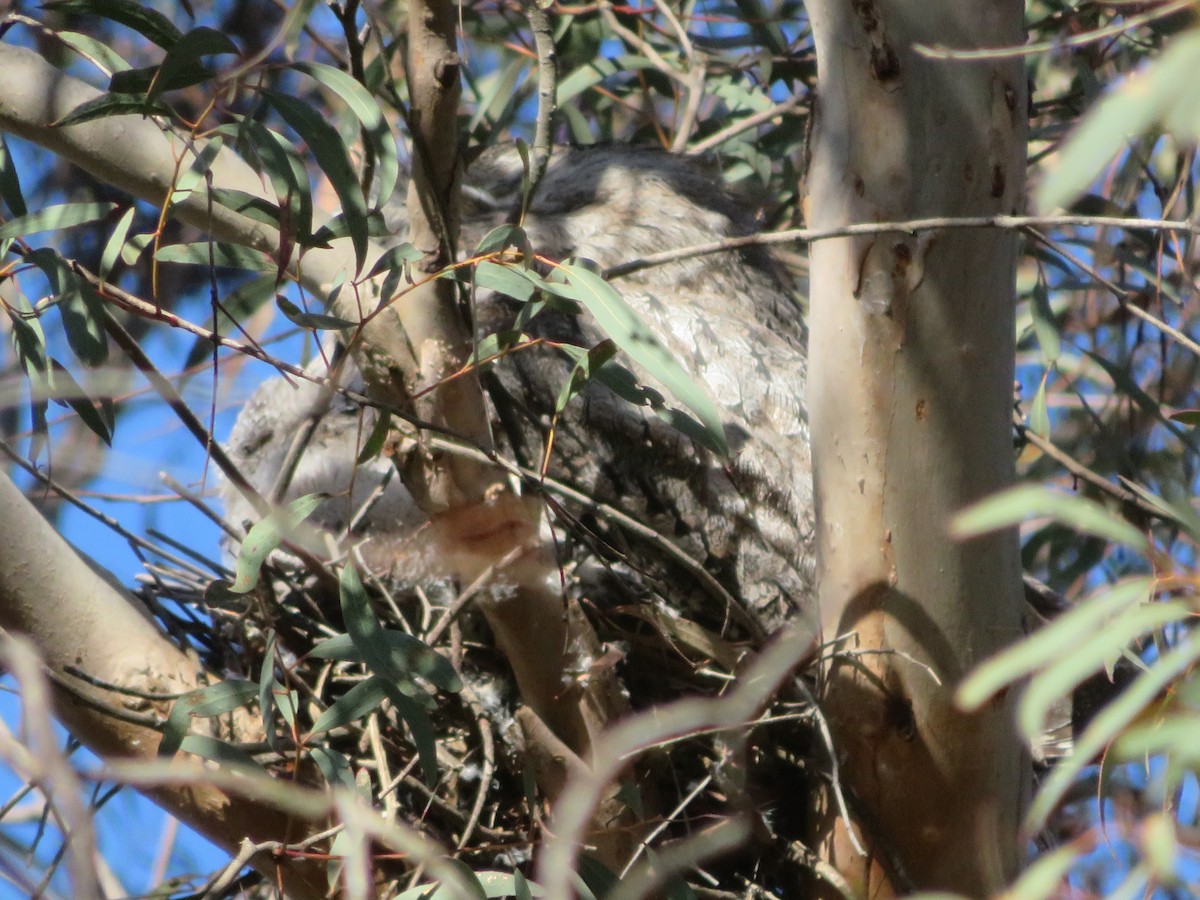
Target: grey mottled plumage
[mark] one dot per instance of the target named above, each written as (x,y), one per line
(731,319)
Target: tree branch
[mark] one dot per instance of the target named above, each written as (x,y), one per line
(79,620)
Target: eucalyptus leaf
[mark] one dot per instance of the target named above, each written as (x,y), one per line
(266,536)
(619,321)
(1026,501)
(54,218)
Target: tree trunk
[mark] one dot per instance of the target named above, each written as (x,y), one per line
(910,400)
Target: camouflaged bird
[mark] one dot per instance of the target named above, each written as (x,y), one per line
(731,319)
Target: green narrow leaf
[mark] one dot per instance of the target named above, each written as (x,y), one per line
(503,237)
(1131,109)
(335,768)
(496,93)
(100,54)
(99,421)
(494,344)
(30,344)
(193,176)
(1045,876)
(54,218)
(594,877)
(593,73)
(182,66)
(316,321)
(135,247)
(1125,383)
(1107,725)
(435,891)
(395,262)
(108,105)
(1027,501)
(366,110)
(144,20)
(1051,642)
(1044,325)
(407,653)
(271,154)
(369,639)
(248,205)
(222,752)
(637,340)
(396,258)
(266,536)
(78,304)
(266,692)
(625,385)
(420,726)
(150,82)
(375,441)
(10,181)
(83,314)
(213,700)
(1039,416)
(330,152)
(115,244)
(514,281)
(229,256)
(585,368)
(1092,653)
(359,701)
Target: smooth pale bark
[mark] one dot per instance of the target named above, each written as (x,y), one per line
(910,399)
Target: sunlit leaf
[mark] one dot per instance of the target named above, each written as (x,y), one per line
(223,255)
(102,55)
(1039,416)
(366,110)
(1140,103)
(116,243)
(266,536)
(635,338)
(1029,501)
(1092,653)
(1045,876)
(583,371)
(54,218)
(1108,724)
(1051,642)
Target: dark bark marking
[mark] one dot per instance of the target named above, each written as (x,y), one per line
(885,63)
(999,182)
